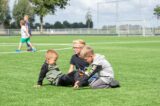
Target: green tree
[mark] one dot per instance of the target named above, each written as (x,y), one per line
(66,24)
(4,12)
(37,26)
(75,25)
(89,22)
(58,25)
(7,20)
(157,11)
(47,25)
(81,25)
(23,7)
(44,7)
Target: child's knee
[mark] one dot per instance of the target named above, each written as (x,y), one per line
(93,85)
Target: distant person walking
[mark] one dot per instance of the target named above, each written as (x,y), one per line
(27,24)
(24,37)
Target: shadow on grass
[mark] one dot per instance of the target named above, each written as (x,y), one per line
(79,89)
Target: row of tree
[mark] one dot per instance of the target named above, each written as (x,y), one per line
(57,25)
(40,8)
(66,24)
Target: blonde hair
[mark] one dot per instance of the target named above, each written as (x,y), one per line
(86,51)
(22,22)
(50,53)
(26,16)
(80,41)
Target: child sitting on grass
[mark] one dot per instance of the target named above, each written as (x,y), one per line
(49,69)
(51,72)
(99,65)
(24,37)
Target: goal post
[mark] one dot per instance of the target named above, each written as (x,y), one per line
(124,17)
(134,28)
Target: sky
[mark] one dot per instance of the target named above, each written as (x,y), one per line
(104,12)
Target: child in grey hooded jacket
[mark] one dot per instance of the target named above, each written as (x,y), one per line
(99,66)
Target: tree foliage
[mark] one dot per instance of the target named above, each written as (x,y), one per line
(64,24)
(7,20)
(157,11)
(23,7)
(89,22)
(4,11)
(44,7)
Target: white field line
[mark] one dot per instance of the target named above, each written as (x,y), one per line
(36,44)
(124,42)
(69,44)
(59,49)
(96,43)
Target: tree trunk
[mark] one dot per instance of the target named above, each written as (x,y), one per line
(41,19)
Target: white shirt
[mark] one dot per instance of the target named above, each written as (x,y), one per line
(24,32)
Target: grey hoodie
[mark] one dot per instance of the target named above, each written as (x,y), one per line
(107,71)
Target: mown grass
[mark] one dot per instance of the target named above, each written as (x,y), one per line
(135,61)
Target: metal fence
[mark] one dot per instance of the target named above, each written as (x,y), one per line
(112,31)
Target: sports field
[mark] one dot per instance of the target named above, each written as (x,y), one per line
(136,63)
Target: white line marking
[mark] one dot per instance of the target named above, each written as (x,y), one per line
(36,51)
(35,44)
(70,44)
(124,42)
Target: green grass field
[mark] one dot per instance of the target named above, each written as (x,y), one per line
(136,63)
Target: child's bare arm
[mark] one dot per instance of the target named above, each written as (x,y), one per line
(71,68)
(28,35)
(26,31)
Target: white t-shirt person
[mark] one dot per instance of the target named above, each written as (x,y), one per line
(24,32)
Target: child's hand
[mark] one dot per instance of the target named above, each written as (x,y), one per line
(76,85)
(37,86)
(28,36)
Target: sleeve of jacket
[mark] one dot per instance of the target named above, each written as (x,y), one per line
(84,80)
(95,69)
(42,74)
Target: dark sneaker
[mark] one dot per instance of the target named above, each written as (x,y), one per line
(29,50)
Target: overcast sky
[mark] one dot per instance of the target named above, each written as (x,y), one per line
(104,11)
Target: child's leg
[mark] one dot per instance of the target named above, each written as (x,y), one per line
(22,40)
(20,45)
(28,46)
(82,78)
(99,84)
(29,43)
(31,47)
(67,79)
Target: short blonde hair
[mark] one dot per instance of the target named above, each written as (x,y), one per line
(80,41)
(26,16)
(50,53)
(22,22)
(86,51)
